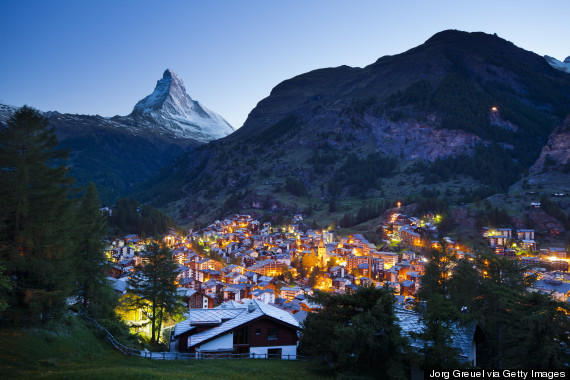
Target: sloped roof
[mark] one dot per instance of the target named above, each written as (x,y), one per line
(119,284)
(553,286)
(230,316)
(462,336)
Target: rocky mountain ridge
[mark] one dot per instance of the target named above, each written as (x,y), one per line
(556,152)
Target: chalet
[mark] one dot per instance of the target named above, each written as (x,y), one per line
(559,290)
(196,299)
(183,273)
(409,236)
(290,292)
(352,262)
(337,271)
(253,328)
(528,245)
(235,278)
(408,288)
(390,259)
(283,258)
(497,240)
(559,253)
(507,232)
(212,286)
(525,234)
(341,283)
(362,270)
(268,267)
(266,296)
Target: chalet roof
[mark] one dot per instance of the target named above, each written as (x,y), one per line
(291,289)
(230,315)
(553,286)
(300,316)
(119,284)
(184,292)
(211,282)
(261,264)
(462,336)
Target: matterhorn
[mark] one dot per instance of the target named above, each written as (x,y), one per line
(170,109)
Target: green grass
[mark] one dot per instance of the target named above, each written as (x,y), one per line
(71,350)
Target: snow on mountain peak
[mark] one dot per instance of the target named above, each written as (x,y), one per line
(562,66)
(176,112)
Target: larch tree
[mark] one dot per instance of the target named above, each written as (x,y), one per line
(90,262)
(36,214)
(153,287)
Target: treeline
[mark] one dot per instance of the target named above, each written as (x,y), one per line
(551,208)
(358,335)
(360,175)
(322,161)
(492,165)
(129,216)
(521,328)
(287,126)
(366,212)
(464,102)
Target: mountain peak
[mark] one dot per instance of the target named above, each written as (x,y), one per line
(170,87)
(176,112)
(562,66)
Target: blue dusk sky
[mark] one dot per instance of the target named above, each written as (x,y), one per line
(101,57)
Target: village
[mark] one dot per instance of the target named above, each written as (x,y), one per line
(246,284)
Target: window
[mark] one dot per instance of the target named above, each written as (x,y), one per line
(272,333)
(274,353)
(257,331)
(241,335)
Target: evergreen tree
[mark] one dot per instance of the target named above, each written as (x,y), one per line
(356,332)
(438,319)
(35,235)
(435,279)
(153,290)
(90,261)
(522,328)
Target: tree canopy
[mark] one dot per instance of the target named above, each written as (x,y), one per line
(356,332)
(36,236)
(153,287)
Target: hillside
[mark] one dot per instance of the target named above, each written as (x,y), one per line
(72,351)
(463,110)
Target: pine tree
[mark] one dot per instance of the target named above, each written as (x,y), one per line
(357,333)
(36,213)
(89,257)
(436,277)
(153,290)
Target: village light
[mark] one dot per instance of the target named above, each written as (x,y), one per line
(494,109)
